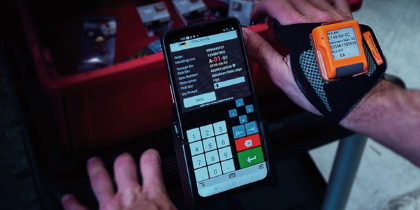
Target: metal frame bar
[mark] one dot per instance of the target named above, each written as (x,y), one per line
(343,172)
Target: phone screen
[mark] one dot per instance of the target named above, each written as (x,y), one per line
(207,67)
(211,83)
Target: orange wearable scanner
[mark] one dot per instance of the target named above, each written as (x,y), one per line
(339,50)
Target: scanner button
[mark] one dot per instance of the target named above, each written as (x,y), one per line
(233,113)
(207,131)
(201,174)
(196,148)
(193,135)
(238,131)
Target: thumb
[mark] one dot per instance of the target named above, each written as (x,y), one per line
(277,65)
(258,49)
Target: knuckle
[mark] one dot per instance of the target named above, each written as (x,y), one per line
(130,195)
(131,191)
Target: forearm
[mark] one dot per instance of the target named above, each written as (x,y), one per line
(391,116)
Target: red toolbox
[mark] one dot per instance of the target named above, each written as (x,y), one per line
(106,106)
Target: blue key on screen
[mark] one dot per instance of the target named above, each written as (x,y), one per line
(243,119)
(249,108)
(239,102)
(233,113)
(251,128)
(238,131)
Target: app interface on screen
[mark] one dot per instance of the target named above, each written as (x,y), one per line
(226,150)
(209,70)
(343,43)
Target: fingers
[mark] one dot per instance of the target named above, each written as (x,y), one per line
(281,10)
(342,5)
(257,48)
(261,51)
(316,10)
(302,11)
(99,179)
(125,172)
(151,172)
(322,5)
(69,202)
(305,8)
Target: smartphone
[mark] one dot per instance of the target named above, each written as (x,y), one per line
(220,141)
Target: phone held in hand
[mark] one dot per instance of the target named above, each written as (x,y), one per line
(220,141)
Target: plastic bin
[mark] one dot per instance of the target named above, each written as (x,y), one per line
(110,105)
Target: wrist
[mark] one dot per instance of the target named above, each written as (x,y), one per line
(373,108)
(391,116)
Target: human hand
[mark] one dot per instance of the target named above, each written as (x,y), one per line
(290,12)
(130,195)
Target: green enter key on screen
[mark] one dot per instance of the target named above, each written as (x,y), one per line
(250,157)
